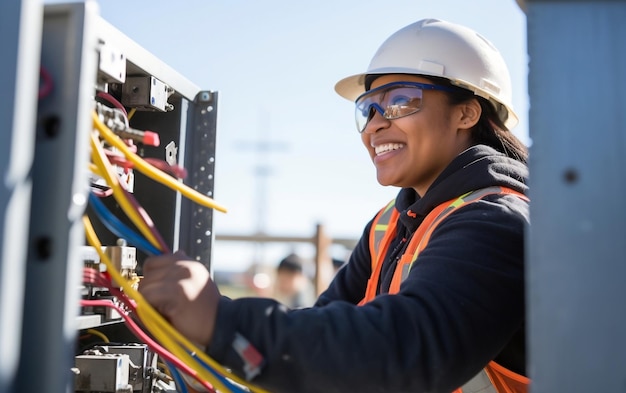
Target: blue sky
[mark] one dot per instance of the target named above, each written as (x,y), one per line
(274,64)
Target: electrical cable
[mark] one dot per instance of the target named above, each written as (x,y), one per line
(94,276)
(47,83)
(118,228)
(173,170)
(151,318)
(181,386)
(113,101)
(235,388)
(153,172)
(119,159)
(99,334)
(141,335)
(182,349)
(163,331)
(126,201)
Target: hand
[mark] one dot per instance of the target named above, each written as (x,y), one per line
(183,292)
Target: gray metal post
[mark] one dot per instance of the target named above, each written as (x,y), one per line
(576,249)
(59,194)
(20,29)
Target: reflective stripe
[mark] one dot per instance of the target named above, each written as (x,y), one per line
(382,231)
(481,383)
(381,235)
(463,200)
(382,223)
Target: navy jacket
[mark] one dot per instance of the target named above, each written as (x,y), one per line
(461,306)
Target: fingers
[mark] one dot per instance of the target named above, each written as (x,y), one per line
(159,262)
(183,292)
(160,282)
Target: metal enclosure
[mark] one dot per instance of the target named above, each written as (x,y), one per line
(576,248)
(20,29)
(48,150)
(59,197)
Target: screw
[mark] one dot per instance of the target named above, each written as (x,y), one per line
(205,96)
(570,175)
(43,247)
(52,126)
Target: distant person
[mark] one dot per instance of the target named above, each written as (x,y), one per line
(432,298)
(292,286)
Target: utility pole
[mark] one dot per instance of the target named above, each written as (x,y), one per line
(262,147)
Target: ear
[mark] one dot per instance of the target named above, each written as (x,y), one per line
(469,114)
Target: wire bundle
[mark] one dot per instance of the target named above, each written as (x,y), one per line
(180,354)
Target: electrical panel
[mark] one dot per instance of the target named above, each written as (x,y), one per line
(74,334)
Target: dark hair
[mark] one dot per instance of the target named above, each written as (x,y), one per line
(490,129)
(291,263)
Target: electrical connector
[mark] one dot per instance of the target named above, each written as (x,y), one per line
(149,138)
(118,123)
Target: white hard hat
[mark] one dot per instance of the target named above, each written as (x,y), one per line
(438,48)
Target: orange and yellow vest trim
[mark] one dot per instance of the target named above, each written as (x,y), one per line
(493,378)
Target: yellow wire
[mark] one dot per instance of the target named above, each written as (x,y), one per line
(154,322)
(153,172)
(94,169)
(165,340)
(131,113)
(99,334)
(151,318)
(166,369)
(97,155)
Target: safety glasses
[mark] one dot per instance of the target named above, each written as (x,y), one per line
(393,101)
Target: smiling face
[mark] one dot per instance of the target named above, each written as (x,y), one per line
(412,151)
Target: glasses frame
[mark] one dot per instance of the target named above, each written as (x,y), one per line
(381,110)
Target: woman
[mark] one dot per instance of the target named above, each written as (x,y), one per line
(426,302)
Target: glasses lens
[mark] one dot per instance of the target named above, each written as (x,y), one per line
(392,101)
(363,114)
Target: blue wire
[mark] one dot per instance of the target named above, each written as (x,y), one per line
(235,388)
(181,386)
(118,228)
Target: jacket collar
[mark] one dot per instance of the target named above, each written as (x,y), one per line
(477,167)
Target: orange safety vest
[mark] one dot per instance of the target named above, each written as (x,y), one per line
(493,378)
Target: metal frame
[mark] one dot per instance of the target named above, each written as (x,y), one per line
(576,248)
(196,222)
(58,148)
(59,197)
(18,77)
(191,125)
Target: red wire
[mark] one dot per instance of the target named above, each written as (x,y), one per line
(119,159)
(174,170)
(100,192)
(147,220)
(113,101)
(149,341)
(144,216)
(48,84)
(93,276)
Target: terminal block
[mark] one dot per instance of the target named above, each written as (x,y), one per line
(147,93)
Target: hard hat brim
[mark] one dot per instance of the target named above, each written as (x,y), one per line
(353,86)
